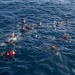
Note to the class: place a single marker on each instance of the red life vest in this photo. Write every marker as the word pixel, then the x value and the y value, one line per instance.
pixel 10 53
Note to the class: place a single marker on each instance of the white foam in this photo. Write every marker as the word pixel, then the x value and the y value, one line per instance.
pixel 3 44
pixel 13 39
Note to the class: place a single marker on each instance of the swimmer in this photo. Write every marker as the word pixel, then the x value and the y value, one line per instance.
pixel 56 25
pixel 8 54
pixel 24 21
pixel 53 47
pixel 12 35
pixel 65 37
pixel 22 29
pixel 66 21
pixel 40 24
pixel 28 27
pixel 9 42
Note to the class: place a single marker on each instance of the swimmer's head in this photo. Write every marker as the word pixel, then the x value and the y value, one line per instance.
pixel 66 21
pixel 53 46
pixel 13 52
pixel 40 23
pixel 12 34
pixel 24 21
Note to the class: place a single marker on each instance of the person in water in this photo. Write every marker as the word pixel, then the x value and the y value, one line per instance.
pixel 40 24
pixel 24 21
pixel 53 47
pixel 65 37
pixel 8 54
pixel 56 25
pixel 28 27
pixel 9 43
pixel 12 35
pixel 66 21
pixel 22 29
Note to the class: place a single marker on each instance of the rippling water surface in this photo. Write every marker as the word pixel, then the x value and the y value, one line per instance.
pixel 34 56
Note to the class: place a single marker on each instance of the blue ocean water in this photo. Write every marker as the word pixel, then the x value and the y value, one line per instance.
pixel 34 56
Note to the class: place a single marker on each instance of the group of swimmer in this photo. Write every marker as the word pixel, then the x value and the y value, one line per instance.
pixel 26 27
pixel 65 36
pixel 53 46
pixel 9 53
pixel 63 22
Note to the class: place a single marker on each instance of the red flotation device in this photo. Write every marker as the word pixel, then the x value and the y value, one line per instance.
pixel 10 53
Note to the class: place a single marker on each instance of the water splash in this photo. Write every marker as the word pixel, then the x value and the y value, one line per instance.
pixel 3 44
